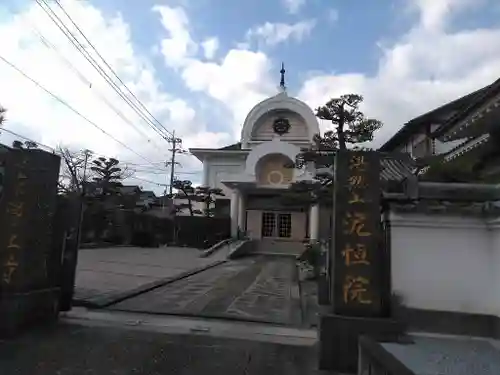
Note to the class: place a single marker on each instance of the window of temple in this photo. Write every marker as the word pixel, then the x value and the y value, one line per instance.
pixel 264 128
pixel 272 170
pixel 276 224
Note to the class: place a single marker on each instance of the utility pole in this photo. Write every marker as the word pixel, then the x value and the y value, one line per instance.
pixel 175 143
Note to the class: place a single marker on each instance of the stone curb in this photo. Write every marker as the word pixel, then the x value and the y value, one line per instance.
pixel 284 255
pixel 235 252
pixel 101 302
pixel 101 246
pixel 290 324
pixel 218 246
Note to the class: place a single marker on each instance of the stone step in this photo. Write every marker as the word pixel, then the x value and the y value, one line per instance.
pixel 280 247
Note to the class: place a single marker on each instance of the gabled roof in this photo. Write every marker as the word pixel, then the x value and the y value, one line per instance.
pixel 130 189
pixel 486 94
pixel 148 193
pixel 235 146
pixel 440 115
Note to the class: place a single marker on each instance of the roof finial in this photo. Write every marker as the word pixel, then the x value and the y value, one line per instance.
pixel 282 82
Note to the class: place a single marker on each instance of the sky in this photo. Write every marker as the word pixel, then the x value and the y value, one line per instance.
pixel 199 66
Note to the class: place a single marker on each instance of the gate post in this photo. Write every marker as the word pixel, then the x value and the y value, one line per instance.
pixel 28 267
pixel 360 302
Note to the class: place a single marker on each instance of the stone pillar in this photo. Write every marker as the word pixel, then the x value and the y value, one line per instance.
pixel 314 222
pixel 205 181
pixel 234 212
pixel 242 212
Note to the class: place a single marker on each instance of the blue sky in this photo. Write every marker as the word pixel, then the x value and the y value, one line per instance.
pixel 341 44
pixel 200 65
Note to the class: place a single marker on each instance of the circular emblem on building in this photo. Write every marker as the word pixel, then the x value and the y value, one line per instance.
pixel 281 126
pixel 275 178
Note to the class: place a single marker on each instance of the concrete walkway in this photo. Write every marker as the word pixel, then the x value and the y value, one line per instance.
pixel 107 273
pixel 257 288
pixel 81 350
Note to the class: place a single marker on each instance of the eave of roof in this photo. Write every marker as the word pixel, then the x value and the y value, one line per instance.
pixel 486 94
pixel 200 153
pixel 434 116
pixel 235 146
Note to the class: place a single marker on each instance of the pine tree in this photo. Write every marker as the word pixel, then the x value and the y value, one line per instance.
pixel 349 126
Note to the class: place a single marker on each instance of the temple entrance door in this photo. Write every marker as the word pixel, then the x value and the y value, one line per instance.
pixel 276 225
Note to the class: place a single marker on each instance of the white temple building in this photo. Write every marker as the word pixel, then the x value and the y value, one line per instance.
pixel 253 176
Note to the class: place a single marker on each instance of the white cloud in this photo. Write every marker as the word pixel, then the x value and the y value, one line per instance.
pixel 178 45
pixel 33 113
pixel 414 75
pixel 425 68
pixel 275 33
pixel 435 14
pixel 333 15
pixel 239 81
pixel 293 6
pixel 210 47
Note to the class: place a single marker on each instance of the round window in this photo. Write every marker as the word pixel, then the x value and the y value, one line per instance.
pixel 275 178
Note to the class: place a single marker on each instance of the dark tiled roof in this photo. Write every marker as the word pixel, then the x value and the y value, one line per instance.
pixel 485 94
pixel 129 189
pixel 482 209
pixel 233 147
pixel 396 169
pixel 439 115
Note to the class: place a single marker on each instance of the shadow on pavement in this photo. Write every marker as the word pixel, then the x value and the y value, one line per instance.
pixel 77 350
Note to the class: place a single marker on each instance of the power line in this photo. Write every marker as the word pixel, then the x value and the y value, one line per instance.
pixel 153 165
pixel 154 170
pixel 82 78
pixel 27 139
pixel 80 48
pixel 109 67
pixel 87 154
pixel 192 172
pixel 76 43
pixel 158 171
pixel 145 180
pixel 60 100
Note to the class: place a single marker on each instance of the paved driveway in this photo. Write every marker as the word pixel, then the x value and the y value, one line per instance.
pixel 107 272
pixel 259 289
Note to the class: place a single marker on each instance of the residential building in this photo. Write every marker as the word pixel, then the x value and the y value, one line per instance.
pixel 476 133
pixel 416 136
pixel 253 176
pixel 182 205
pixel 146 199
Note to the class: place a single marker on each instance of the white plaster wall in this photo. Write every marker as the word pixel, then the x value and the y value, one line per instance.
pixel 300 144
pixel 254 224
pixel 281 102
pixel 445 263
pixel 444 147
pixel 299 221
pixel 263 128
pixel 495 265
pixel 220 168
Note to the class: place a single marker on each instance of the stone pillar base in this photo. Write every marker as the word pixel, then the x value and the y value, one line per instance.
pixel 323 291
pixel 19 311
pixel 338 336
